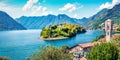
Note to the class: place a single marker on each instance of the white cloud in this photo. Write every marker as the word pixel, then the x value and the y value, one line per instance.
pixel 75 16
pixel 16 12
pixel 29 4
pixel 36 9
pixel 68 7
pixel 39 8
pixel 11 10
pixel 44 9
pixel 109 5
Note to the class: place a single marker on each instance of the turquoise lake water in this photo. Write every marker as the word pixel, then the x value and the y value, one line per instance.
pixel 17 45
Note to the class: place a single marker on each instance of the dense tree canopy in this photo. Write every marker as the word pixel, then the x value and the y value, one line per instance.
pixel 51 53
pixel 61 30
pixel 116 40
pixel 104 51
pixel 4 58
pixel 118 29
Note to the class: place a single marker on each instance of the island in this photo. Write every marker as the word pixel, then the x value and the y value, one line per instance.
pixel 61 31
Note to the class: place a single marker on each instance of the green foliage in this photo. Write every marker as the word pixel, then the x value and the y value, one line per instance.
pixel 51 53
pixel 101 36
pixel 104 51
pixel 116 40
pixel 119 56
pixel 118 29
pixel 61 30
pixel 45 32
pixel 94 40
pixel 4 58
pixel 97 38
pixel 65 49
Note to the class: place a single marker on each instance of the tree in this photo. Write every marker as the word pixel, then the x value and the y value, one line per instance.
pixel 118 29
pixel 61 30
pixel 116 40
pixel 51 53
pixel 45 33
pixel 64 49
pixel 104 51
pixel 4 58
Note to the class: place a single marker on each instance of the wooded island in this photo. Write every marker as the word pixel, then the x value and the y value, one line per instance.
pixel 61 31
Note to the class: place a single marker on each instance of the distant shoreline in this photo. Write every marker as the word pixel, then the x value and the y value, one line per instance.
pixel 117 31
pixel 59 38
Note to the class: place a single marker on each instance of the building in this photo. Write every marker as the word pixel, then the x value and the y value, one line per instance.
pixel 81 49
pixel 108 29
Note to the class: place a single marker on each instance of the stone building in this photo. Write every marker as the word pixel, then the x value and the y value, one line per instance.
pixel 108 29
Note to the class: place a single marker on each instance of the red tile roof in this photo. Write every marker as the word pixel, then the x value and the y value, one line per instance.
pixel 85 45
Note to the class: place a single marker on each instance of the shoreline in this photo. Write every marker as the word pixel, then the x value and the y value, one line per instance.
pixel 53 38
pixel 117 31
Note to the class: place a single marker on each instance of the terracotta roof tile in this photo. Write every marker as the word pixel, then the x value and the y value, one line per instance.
pixel 85 45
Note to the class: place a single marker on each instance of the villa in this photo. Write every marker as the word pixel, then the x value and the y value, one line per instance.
pixel 81 49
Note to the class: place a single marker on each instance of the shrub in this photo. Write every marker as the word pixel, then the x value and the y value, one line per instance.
pixel 116 40
pixel 4 58
pixel 118 29
pixel 104 51
pixel 51 53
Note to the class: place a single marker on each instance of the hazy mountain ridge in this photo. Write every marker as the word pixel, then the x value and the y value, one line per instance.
pixel 96 20
pixel 8 23
pixel 41 21
pixel 38 22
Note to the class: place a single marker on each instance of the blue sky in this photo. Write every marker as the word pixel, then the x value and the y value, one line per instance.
pixel 72 8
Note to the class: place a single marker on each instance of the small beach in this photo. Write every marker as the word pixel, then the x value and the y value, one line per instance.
pixel 60 38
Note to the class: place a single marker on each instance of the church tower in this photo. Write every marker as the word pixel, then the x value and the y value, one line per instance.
pixel 108 29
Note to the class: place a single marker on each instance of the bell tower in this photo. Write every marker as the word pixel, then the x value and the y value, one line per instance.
pixel 108 29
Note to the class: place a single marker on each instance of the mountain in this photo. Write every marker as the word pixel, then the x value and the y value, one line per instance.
pixel 98 19
pixel 8 23
pixel 39 22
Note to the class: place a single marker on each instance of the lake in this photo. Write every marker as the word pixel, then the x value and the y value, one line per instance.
pixel 17 45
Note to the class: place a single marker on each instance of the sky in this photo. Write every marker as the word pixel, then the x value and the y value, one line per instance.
pixel 72 8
